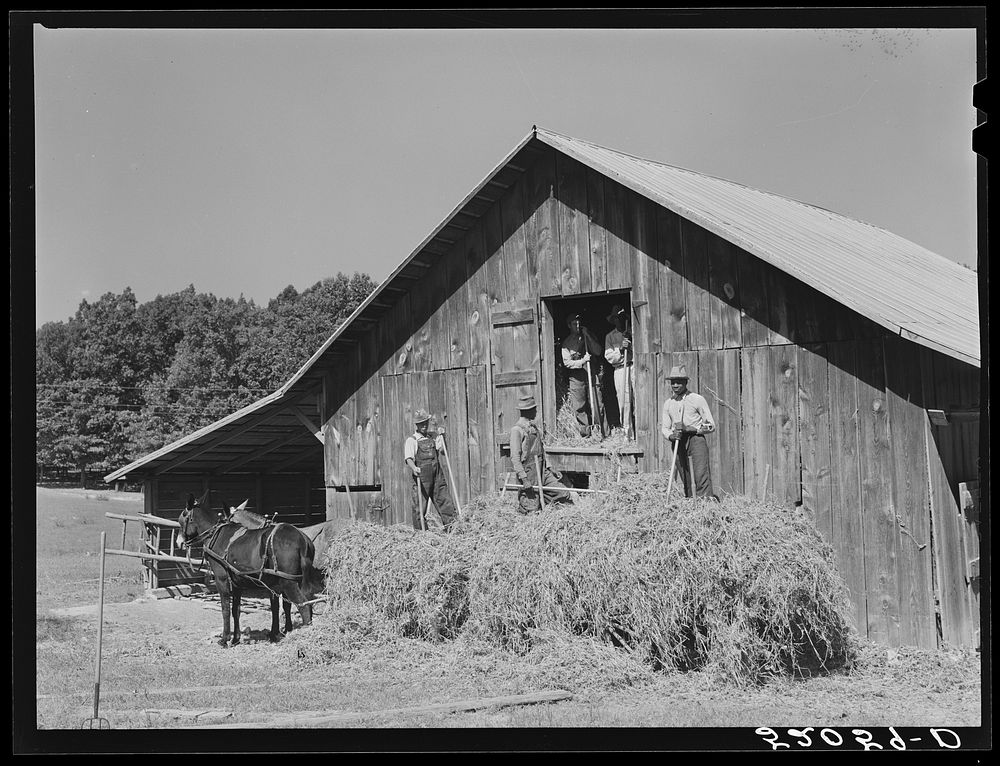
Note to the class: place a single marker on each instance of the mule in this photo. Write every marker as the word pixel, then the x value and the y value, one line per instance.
pixel 276 560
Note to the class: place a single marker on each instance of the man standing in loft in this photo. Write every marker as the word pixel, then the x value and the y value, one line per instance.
pixel 618 352
pixel 685 420
pixel 581 351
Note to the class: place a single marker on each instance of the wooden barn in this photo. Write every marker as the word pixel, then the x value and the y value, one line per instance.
pixel 842 364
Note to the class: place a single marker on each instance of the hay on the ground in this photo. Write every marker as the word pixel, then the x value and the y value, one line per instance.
pixel 743 587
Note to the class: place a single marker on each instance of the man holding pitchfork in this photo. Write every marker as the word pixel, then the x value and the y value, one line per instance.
pixel 421 454
pixel 527 455
pixel 685 420
pixel 578 349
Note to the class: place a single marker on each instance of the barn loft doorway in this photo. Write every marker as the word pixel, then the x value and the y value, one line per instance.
pixel 594 310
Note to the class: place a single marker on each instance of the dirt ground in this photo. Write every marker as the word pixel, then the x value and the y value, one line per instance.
pixel 163 669
pixel 903 687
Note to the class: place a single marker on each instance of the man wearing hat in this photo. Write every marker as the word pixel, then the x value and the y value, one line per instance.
pixel 685 420
pixel 525 446
pixel 578 348
pixel 421 455
pixel 618 352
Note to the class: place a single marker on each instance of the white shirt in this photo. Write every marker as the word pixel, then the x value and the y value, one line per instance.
pixel 690 411
pixel 573 363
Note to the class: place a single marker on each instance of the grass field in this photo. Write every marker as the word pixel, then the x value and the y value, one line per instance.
pixel 163 669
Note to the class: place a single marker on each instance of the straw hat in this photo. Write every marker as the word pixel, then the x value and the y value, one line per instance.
pixel 421 416
pixel 677 373
pixel 526 403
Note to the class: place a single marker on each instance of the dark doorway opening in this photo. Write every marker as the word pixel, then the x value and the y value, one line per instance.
pixel 594 310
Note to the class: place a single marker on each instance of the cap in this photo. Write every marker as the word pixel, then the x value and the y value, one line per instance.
pixel 616 312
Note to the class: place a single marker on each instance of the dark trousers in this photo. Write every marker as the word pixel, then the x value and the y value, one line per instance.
pixel 433 485
pixel 693 463
pixel 578 399
pixel 527 498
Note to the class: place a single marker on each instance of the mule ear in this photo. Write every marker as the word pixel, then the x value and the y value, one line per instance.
pixel 242 505
pixel 190 501
pixel 203 501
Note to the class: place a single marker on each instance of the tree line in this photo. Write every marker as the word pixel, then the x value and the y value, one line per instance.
pixel 121 379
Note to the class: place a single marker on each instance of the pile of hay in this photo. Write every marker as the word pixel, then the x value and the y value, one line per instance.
pixel 742 587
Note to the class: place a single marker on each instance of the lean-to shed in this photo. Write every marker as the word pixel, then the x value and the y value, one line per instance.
pixel 842 362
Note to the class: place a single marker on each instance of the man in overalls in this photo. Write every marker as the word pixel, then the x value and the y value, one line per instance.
pixel 581 354
pixel 525 447
pixel 421 454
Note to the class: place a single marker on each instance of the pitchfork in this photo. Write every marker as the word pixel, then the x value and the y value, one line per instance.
pixel 97 722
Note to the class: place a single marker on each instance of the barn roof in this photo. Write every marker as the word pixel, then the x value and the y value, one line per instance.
pixel 901 286
pixel 896 283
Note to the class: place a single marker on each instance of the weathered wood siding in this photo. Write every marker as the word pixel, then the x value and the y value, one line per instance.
pixel 816 406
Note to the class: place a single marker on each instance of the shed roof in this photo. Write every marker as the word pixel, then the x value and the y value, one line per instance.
pixel 896 283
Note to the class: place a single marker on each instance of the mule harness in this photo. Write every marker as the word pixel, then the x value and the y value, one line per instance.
pixel 254 575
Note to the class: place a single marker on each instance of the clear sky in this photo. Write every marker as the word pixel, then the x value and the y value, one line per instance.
pixel 243 161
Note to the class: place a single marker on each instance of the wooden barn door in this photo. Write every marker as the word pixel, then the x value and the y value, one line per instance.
pixel 456 400
pixel 514 344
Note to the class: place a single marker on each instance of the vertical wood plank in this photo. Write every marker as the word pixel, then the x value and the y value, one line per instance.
pixel 754 315
pixel 732 427
pixel 349 433
pixel 814 438
pixel 780 306
pixel 695 243
pixel 661 367
pixel 846 488
pixel 456 424
pixel 481 442
pixel 548 359
pixel 436 400
pixel 361 420
pixel 673 306
pixel 806 313
pixel 375 424
pixel 389 408
pixel 616 236
pixel 719 373
pixel 786 476
pixel 904 399
pixel 496 281
pixel 456 328
pixel 880 527
pixel 644 384
pixel 956 619
pixel 597 232
pixel 645 314
pixel 545 227
pixel 724 290
pixel 477 296
pixel 514 249
pixel 439 342
pixel 574 244
pixel 756 408
pixel 399 337
pixel 708 381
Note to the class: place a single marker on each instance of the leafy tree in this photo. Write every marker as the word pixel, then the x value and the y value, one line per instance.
pixel 119 379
